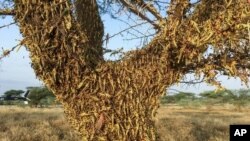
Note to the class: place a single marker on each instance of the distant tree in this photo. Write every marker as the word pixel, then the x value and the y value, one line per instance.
pixel 236 97
pixel 178 97
pixel 184 95
pixel 244 93
pixel 241 98
pixel 13 93
pixel 217 94
pixel 38 95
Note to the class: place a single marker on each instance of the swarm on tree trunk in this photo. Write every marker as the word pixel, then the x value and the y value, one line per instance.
pixel 118 100
pixel 102 100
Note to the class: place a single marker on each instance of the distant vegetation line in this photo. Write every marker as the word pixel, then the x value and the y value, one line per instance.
pixel 238 98
pixel 34 97
pixel 42 97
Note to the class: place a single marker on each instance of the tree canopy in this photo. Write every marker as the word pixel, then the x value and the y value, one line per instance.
pixel 13 93
pixel 37 94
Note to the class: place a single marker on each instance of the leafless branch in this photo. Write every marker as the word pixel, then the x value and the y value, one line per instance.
pixel 7 52
pixel 178 91
pixel 130 27
pixel 150 7
pixel 136 23
pixel 193 81
pixel 7 25
pixel 133 9
pixel 139 37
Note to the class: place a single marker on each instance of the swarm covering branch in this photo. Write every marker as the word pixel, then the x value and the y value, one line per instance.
pixel 118 100
pixel 7 12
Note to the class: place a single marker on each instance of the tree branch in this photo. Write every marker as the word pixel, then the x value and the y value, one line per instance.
pixel 193 81
pixel 177 91
pixel 133 9
pixel 150 8
pixel 7 12
pixel 7 52
pixel 3 26
pixel 130 27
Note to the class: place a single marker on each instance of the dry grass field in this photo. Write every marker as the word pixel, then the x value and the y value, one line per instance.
pixel 174 123
pixel 177 123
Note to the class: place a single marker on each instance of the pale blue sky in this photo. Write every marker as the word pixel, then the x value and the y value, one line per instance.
pixel 16 72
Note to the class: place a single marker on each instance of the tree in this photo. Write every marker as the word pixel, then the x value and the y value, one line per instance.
pixel 12 96
pixel 177 97
pixel 13 93
pixel 118 100
pixel 240 99
pixel 216 94
pixel 38 94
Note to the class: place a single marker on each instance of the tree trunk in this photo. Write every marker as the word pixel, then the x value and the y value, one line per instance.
pixel 102 100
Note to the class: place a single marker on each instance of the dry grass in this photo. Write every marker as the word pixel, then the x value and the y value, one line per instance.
pixel 34 124
pixel 177 123
pixel 174 123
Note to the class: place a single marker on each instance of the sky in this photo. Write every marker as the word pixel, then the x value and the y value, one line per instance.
pixel 16 71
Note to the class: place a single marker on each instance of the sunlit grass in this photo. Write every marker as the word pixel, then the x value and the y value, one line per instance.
pixel 34 124
pixel 174 123
pixel 177 123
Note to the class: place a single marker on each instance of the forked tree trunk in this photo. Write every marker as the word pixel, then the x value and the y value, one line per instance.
pixel 118 100
pixel 102 100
